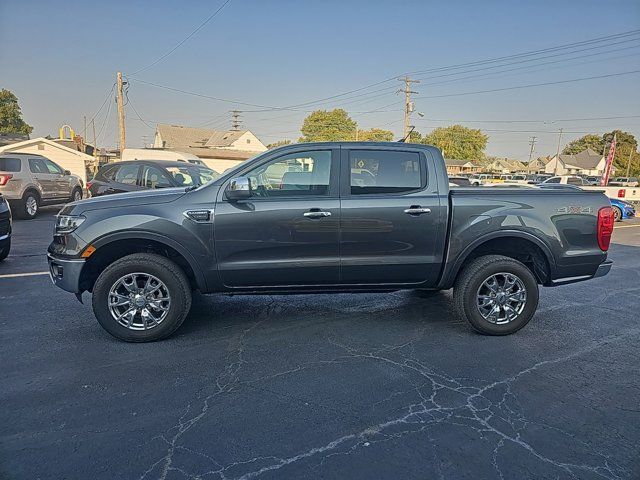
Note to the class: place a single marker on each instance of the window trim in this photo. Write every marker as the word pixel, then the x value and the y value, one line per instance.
pixel 164 172
pixel 346 172
pixel 34 159
pixel 334 176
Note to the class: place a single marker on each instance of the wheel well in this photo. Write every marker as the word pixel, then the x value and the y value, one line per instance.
pixel 32 190
pixel 112 251
pixel 520 249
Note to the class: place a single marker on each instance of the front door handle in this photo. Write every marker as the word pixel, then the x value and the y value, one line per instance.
pixel 417 210
pixel 317 214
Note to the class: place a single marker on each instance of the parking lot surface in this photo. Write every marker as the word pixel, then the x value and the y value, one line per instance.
pixel 332 386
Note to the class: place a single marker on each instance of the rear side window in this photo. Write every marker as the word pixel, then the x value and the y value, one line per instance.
pixel 127 174
pixel 574 181
pixel 384 172
pixel 153 177
pixel 108 173
pixel 9 164
pixel 37 165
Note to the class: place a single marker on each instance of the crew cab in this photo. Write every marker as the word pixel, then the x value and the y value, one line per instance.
pixel 322 218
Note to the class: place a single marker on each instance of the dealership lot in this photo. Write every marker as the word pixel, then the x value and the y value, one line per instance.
pixel 331 386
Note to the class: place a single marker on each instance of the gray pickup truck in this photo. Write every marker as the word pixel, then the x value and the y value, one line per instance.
pixel 328 217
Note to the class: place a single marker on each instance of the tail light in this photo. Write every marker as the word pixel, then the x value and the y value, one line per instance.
pixel 89 183
pixel 621 193
pixel 605 227
pixel 4 178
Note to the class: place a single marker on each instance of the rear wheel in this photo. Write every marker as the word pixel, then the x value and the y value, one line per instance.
pixel 76 194
pixel 30 205
pixel 5 248
pixel 497 295
pixel 141 298
pixel 617 214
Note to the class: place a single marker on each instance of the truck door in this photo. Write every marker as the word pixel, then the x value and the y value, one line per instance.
pixel 287 232
pixel 391 217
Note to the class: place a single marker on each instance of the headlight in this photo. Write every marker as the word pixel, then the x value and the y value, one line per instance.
pixel 68 223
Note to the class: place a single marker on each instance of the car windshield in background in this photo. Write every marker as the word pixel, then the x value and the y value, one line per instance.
pixel 190 175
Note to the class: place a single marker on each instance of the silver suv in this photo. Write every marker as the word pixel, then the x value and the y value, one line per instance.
pixel 28 181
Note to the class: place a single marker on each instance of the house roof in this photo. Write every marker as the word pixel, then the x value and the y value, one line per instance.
pixel 9 138
pixel 35 141
pixel 457 163
pixel 586 159
pixel 179 136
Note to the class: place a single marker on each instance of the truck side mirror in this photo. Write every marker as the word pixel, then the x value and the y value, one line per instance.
pixel 239 189
pixel 67 172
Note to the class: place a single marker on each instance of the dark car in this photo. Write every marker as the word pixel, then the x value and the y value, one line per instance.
pixel 5 228
pixel 134 175
pixel 329 217
pixel 459 181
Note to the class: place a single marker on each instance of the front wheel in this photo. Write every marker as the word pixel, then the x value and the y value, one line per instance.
pixel 497 295
pixel 76 195
pixel 29 206
pixel 142 297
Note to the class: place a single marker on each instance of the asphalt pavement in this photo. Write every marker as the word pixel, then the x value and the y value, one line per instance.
pixel 384 386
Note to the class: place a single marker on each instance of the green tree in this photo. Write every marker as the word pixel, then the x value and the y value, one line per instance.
pixel 594 142
pixel 10 115
pixel 458 142
pixel 328 126
pixel 277 144
pixel 626 144
pixel 375 135
pixel 414 137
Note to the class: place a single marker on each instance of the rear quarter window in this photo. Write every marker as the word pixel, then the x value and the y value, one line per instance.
pixel 10 164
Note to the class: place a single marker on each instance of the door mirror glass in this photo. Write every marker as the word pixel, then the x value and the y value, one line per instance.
pixel 67 172
pixel 239 189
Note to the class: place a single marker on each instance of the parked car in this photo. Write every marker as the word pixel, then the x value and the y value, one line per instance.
pixel 621 209
pixel 516 179
pixel 459 181
pixel 5 228
pixel 624 182
pixel 479 179
pixel 320 229
pixel 134 175
pixel 592 180
pixel 29 181
pixel 567 180
pixel 535 178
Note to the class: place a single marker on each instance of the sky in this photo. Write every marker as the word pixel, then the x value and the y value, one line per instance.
pixel 61 59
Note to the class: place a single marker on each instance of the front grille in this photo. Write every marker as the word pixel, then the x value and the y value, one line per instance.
pixel 4 227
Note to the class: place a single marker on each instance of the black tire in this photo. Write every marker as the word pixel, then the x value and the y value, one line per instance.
pixel 24 211
pixel 76 192
pixel 147 263
pixel 617 214
pixel 469 281
pixel 5 248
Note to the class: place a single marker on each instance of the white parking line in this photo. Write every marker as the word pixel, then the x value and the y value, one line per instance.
pixel 28 274
pixel 627 226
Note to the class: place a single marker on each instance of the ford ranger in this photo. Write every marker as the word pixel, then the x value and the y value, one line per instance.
pixel 328 217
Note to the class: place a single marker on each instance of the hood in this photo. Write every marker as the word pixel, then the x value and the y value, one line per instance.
pixel 118 200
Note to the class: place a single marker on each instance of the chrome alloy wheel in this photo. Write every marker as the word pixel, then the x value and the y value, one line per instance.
pixel 501 298
pixel 139 301
pixel 31 205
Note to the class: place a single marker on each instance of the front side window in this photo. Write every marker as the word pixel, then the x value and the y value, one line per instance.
pixel 384 172
pixel 127 174
pixel 153 177
pixel 52 167
pixel 296 174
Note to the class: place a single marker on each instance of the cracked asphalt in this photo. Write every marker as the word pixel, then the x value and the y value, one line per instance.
pixel 364 386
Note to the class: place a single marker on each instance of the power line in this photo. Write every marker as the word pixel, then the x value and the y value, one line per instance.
pixel 101 107
pixel 183 41
pixel 535 85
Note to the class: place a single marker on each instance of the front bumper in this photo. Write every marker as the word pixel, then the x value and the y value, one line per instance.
pixel 65 273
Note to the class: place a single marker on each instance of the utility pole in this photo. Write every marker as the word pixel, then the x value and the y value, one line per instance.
pixel 95 147
pixel 123 135
pixel 408 104
pixel 84 132
pixel 555 169
pixel 532 143
pixel 235 120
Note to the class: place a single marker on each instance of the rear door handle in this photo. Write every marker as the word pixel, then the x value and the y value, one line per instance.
pixel 317 214
pixel 417 210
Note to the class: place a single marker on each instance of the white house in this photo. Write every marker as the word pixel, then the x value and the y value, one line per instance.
pixel 68 158
pixel 220 150
pixel 586 162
